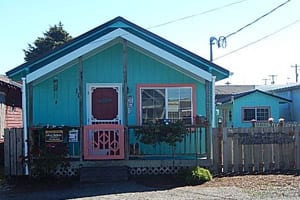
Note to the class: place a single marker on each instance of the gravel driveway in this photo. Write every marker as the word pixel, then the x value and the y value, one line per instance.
pixel 125 190
pixel 244 187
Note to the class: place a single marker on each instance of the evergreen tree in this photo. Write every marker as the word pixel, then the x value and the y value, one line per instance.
pixel 54 37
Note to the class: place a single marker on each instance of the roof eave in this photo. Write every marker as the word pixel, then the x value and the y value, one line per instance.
pixel 196 71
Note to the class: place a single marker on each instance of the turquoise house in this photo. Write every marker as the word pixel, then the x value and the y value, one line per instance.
pixel 239 109
pixel 92 92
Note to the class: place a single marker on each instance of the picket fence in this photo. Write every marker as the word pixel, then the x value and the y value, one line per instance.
pixel 257 149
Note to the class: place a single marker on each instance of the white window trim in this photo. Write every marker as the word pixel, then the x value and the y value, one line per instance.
pixel 255 108
pixel 90 86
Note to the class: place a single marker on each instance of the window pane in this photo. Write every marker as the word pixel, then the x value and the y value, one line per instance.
pixel 173 104
pixel 153 105
pixel 180 104
pixel 249 114
pixel 262 114
pixel 186 105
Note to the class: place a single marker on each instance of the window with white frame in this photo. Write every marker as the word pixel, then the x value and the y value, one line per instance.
pixel 174 103
pixel 257 113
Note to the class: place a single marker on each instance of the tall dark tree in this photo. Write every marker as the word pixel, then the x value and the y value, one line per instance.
pixel 54 37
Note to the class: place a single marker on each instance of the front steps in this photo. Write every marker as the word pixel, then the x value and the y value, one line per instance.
pixel 104 174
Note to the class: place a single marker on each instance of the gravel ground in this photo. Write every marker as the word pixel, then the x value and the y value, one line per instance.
pixel 238 187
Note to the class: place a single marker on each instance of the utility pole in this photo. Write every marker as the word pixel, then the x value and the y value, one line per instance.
pixel 296 71
pixel 272 78
pixel 212 41
pixel 220 42
pixel 265 80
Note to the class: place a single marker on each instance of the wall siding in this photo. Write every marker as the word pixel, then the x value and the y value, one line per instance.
pixel 13 117
pixel 57 107
pixel 106 66
pixel 289 112
pixel 143 69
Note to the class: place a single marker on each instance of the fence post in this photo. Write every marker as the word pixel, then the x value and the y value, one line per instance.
pixel 267 151
pixel 13 152
pixel 215 149
pixel 258 151
pixel 227 151
pixel 248 153
pixel 6 153
pixel 237 153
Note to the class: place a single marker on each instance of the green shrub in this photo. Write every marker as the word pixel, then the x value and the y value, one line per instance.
pixel 196 175
pixel 47 158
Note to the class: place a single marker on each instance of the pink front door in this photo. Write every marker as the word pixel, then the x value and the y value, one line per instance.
pixel 104 134
pixel 104 105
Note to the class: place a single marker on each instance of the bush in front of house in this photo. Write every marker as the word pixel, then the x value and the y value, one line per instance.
pixel 47 158
pixel 196 175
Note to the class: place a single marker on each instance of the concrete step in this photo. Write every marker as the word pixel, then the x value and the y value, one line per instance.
pixel 104 174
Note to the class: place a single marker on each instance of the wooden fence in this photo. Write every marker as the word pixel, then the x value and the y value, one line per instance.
pixel 13 152
pixel 256 149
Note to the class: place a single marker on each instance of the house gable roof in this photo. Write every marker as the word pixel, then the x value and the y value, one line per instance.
pixel 116 28
pixel 233 89
pixel 229 97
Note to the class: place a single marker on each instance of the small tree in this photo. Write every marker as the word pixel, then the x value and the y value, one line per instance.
pixel 54 37
pixel 161 132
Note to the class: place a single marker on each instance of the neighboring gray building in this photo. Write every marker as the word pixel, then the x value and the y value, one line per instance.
pixel 290 111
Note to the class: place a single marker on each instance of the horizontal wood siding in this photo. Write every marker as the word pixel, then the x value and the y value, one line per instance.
pixel 55 100
pixel 13 117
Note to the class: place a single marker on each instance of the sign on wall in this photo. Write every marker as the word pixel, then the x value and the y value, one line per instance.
pixel 54 135
pixel 73 135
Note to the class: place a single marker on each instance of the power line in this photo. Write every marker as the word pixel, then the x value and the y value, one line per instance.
pixel 259 18
pixel 260 39
pixel 186 17
pixel 222 40
pixel 197 14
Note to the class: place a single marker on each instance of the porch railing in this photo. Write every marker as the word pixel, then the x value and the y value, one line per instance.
pixel 193 146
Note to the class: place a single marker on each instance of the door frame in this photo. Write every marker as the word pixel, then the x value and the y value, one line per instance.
pixel 90 86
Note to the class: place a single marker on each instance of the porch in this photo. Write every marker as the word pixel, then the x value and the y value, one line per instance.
pixel 107 145
pixel 141 158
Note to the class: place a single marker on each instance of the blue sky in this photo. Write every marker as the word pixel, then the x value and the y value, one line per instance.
pixel 23 21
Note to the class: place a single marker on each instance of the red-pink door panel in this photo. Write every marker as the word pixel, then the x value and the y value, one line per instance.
pixel 104 103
